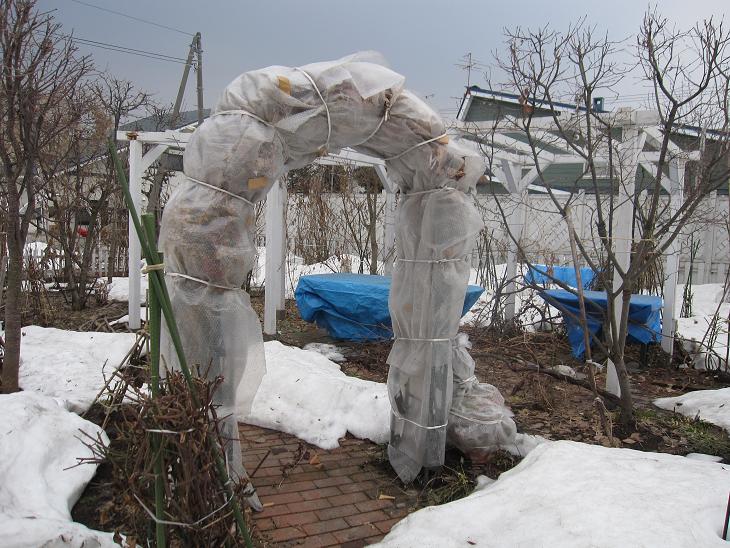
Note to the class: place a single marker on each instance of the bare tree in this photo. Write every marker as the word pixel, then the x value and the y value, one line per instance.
pixel 78 197
pixel 684 131
pixel 41 72
pixel 119 98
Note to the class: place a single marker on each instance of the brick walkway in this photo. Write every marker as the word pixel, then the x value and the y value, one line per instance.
pixel 314 497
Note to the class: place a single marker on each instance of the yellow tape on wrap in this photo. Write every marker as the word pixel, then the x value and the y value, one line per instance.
pixel 284 84
pixel 257 183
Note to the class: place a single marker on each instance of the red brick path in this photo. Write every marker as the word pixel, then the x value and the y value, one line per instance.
pixel 314 497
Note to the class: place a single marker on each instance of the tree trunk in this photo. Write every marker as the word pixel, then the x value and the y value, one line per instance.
pixel 627 400
pixel 11 361
pixel 372 228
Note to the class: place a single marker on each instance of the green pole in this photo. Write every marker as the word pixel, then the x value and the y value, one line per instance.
pixel 158 284
pixel 154 327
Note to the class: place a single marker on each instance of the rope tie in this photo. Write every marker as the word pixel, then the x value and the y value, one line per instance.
pixel 431 191
pixel 432 261
pixel 323 151
pixel 386 116
pixel 414 423
pixel 231 194
pixel 245 113
pixel 406 151
pixel 152 267
pixel 495 421
pixel 472 378
pixel 204 282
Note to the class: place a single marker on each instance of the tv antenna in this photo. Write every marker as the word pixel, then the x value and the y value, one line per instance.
pixel 467 65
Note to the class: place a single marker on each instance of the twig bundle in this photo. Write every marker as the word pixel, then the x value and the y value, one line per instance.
pixel 197 511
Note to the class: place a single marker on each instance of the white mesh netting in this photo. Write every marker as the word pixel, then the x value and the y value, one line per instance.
pixel 279 118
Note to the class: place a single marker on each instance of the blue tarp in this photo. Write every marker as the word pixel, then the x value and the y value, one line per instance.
pixel 537 274
pixel 645 323
pixel 353 307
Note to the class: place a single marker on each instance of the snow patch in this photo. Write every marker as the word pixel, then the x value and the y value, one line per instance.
pixel 572 495
pixel 709 405
pixel 305 394
pixel 40 443
pixel 329 351
pixel 70 365
pixel 125 318
pixel 119 289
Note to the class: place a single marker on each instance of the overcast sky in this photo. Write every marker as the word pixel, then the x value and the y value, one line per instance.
pixel 422 39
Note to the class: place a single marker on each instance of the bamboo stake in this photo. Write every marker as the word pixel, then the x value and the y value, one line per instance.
pixel 154 321
pixel 158 284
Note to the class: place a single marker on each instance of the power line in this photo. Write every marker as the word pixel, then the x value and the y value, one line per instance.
pixel 139 19
pixel 131 51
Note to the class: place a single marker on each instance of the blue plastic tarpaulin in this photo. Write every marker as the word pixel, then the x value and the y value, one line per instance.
pixel 645 323
pixel 353 307
pixel 538 274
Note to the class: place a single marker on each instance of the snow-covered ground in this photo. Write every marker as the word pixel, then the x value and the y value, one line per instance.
pixel 305 394
pixel 119 289
pixel 70 366
pixel 125 318
pixel 572 494
pixel 40 443
pixel 709 405
pixel 706 301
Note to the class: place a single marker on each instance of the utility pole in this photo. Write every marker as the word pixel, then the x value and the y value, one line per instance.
pixel 184 82
pixel 196 49
pixel 199 72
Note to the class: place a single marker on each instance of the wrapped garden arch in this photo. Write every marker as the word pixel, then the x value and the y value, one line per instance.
pixel 279 118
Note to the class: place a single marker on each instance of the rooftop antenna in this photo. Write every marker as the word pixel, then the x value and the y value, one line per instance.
pixel 467 65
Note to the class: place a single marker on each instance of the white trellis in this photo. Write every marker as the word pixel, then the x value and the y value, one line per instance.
pixel 275 268
pixel 511 158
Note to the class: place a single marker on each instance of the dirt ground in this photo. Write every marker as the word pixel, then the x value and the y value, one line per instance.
pixel 554 407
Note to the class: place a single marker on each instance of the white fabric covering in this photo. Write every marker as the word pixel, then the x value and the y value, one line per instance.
pixel 279 118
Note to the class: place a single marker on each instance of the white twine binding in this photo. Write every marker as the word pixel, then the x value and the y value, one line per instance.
pixel 431 191
pixel 406 151
pixel 432 261
pixel 414 423
pixel 245 113
pixel 495 421
pixel 204 282
pixel 472 378
pixel 179 523
pixel 326 108
pixel 383 119
pixel 231 194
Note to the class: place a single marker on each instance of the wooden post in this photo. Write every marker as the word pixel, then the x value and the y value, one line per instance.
pixel 708 244
pixel 515 223
pixel 135 249
pixel 283 199
pixel 275 259
pixel 669 312
pixel 388 249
